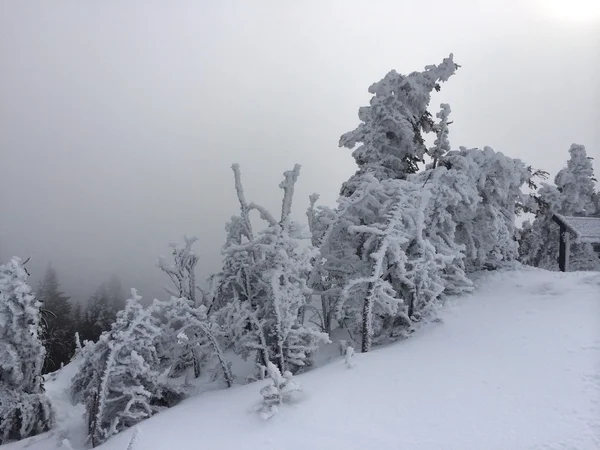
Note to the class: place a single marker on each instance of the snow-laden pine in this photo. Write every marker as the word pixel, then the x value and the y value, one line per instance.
pixel 486 219
pixel 119 376
pixel 188 333
pixel 24 409
pixel 281 389
pixel 390 140
pixel 265 276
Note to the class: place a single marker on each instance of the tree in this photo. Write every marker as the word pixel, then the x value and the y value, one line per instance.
pixel 24 409
pixel 266 275
pixel 485 219
pixel 281 389
pixel 185 356
pixel 441 145
pixel 118 378
pixel 393 127
pixel 58 324
pixel 404 270
pixel 102 309
pixel 573 194
pixel 189 334
pixel 365 252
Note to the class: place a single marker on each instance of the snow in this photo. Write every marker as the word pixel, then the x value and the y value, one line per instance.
pixel 514 365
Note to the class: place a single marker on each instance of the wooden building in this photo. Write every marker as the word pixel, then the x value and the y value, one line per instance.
pixel 581 229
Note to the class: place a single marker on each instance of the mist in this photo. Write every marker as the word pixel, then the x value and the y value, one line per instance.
pixel 119 121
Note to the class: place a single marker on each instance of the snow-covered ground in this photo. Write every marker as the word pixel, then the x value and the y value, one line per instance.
pixel 515 365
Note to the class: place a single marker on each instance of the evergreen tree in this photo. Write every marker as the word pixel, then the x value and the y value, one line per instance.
pixel 393 127
pixel 485 219
pixel 266 275
pixel 184 356
pixel 189 335
pixel 102 309
pixel 58 322
pixel 118 378
pixel 363 269
pixel 24 409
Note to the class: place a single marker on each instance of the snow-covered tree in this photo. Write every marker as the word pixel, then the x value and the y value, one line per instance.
pixel 118 378
pixel 266 276
pixel 281 389
pixel 403 278
pixel 188 331
pixel 391 133
pixel 24 408
pixel 485 222
pixel 182 270
pixel 441 145
pixel 184 356
pixel 573 194
pixel 321 220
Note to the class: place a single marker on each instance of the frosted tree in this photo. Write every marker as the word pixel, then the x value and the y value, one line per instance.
pixel 188 329
pixel 391 133
pixel 573 194
pixel 281 389
pixel 404 271
pixel 182 270
pixel 266 276
pixel 321 220
pixel 577 184
pixel 118 378
pixel 24 408
pixel 450 190
pixel 389 145
pixel 182 273
pixel 441 145
pixel 485 223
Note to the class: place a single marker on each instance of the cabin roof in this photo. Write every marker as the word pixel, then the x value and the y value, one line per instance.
pixel 585 229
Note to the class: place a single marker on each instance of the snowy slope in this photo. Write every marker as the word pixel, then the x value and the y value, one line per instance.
pixel 515 365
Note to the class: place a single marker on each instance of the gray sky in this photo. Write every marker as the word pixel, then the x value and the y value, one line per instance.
pixel 119 120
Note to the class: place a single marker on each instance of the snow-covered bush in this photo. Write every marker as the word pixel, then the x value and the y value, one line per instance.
pixel 265 275
pixel 118 378
pixel 24 408
pixel 281 389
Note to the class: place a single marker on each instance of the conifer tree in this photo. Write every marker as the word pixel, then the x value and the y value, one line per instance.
pixel 118 378
pixel 24 408
pixel 58 324
pixel 266 276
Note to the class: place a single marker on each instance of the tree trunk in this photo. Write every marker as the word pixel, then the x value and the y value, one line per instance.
pixel 367 324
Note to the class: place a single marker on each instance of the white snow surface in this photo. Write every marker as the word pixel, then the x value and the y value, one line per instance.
pixel 514 365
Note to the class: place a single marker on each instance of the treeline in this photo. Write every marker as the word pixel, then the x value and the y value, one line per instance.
pixel 65 324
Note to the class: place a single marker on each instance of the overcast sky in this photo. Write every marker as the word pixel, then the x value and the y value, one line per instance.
pixel 119 120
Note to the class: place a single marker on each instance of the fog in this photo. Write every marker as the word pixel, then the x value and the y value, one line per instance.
pixel 119 120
